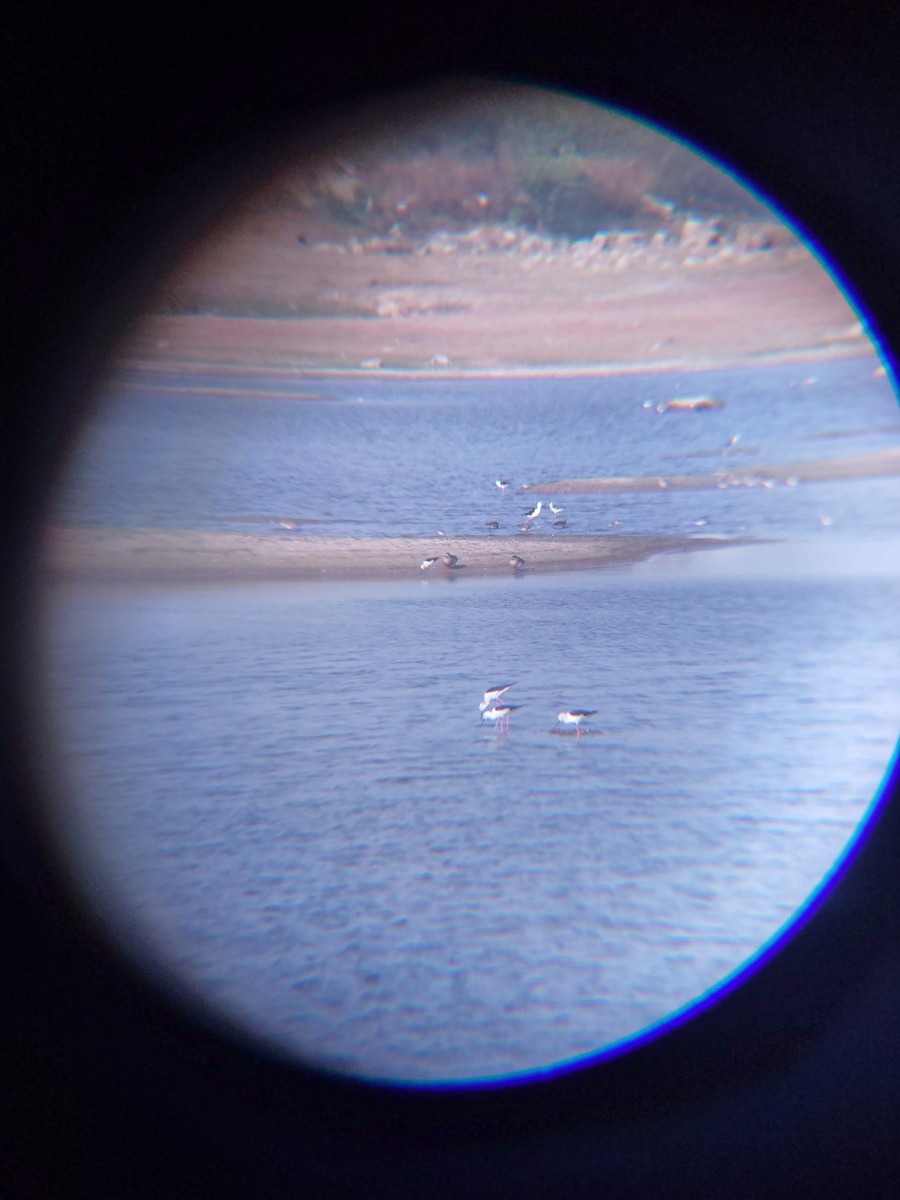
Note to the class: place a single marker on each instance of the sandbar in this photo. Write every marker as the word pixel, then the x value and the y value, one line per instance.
pixel 176 556
pixel 877 464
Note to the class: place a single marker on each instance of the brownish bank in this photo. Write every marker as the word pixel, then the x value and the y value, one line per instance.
pixel 173 556
pixel 507 312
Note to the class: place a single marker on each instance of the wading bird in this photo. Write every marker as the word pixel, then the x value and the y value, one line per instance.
pixel 574 716
pixel 493 694
pixel 500 714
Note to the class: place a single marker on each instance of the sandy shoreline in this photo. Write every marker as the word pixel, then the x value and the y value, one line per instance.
pixel 175 556
pixel 574 370
pixel 455 315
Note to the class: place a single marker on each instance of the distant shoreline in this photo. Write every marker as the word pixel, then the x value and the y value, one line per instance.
pixel 184 556
pixel 461 316
pixel 834 352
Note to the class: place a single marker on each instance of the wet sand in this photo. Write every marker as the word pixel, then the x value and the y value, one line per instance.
pixel 182 556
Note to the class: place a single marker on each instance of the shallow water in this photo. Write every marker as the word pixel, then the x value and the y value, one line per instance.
pixel 281 795
pixel 285 795
pixel 392 456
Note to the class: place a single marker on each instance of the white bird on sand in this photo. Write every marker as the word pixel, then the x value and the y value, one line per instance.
pixel 493 694
pixel 500 715
pixel 574 716
pixel 426 563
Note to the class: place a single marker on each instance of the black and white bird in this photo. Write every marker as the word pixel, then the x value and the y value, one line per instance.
pixel 535 512
pixel 554 509
pixel 500 715
pixel 502 484
pixel 575 716
pixel 493 694
pixel 426 563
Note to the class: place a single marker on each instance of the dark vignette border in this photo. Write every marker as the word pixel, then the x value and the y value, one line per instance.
pixel 790 1084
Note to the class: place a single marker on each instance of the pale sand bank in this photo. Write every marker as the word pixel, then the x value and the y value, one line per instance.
pixel 505 311
pixel 880 463
pixel 155 555
pixel 578 369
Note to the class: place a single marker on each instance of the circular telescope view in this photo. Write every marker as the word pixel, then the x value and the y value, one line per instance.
pixel 469 631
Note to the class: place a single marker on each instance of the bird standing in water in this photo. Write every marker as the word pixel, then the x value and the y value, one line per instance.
pixel 575 716
pixel 500 714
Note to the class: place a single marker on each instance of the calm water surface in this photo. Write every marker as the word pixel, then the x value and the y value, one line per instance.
pixel 393 456
pixel 282 796
pixel 286 794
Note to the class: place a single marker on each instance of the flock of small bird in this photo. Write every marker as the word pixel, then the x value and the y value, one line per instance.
pixel 452 563
pixel 560 523
pixel 492 710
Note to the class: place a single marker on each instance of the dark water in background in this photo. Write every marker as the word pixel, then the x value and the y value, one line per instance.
pixel 387 456
pixel 282 792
